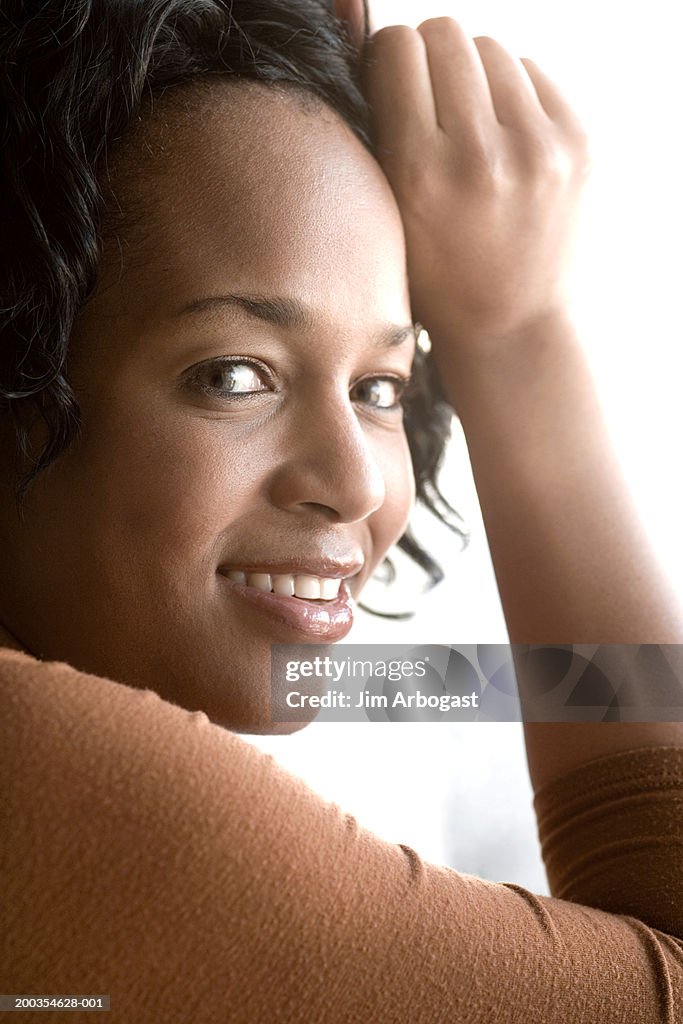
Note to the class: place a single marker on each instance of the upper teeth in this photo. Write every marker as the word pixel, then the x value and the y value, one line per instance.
pixel 312 588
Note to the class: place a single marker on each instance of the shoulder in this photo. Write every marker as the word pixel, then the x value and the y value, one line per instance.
pixel 52 701
pixel 109 740
pixel 26 680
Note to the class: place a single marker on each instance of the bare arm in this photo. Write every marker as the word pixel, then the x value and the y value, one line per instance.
pixel 488 165
pixel 572 561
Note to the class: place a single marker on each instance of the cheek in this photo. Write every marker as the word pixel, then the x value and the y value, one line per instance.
pixel 162 487
pixel 195 489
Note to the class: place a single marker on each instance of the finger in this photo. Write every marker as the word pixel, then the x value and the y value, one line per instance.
pixel 554 104
pixel 398 86
pixel 514 97
pixel 462 97
pixel 355 14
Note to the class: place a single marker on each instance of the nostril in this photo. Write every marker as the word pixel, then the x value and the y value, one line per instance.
pixel 336 477
pixel 316 506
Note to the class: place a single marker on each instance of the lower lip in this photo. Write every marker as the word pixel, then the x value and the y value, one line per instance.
pixel 326 622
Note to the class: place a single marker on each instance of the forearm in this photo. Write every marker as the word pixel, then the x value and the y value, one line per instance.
pixel 572 560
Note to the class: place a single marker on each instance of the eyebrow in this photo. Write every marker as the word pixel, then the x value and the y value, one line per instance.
pixel 285 312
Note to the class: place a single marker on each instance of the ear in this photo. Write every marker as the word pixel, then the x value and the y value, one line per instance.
pixel 355 14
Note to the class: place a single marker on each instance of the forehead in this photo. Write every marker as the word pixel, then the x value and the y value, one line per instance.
pixel 236 184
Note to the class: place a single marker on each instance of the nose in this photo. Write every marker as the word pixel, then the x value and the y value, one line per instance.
pixel 329 464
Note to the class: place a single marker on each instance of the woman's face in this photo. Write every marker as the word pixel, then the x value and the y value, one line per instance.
pixel 229 372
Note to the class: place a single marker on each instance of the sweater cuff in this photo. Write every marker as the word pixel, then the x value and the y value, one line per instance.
pixel 611 835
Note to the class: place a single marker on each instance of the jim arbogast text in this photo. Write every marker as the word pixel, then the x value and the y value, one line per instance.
pixel 365 699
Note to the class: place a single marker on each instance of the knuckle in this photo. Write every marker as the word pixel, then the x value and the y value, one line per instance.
pixel 544 160
pixel 438 26
pixel 394 35
pixel 557 168
pixel 587 164
pixel 435 24
pixel 489 48
pixel 584 168
pixel 487 156
pixel 496 182
pixel 488 170
pixel 583 150
pixel 547 162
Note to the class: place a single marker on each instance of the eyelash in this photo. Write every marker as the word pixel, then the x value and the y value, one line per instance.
pixel 402 384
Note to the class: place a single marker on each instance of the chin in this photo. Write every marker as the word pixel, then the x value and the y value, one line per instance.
pixel 255 718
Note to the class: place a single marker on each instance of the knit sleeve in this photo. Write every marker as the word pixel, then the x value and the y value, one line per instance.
pixel 611 834
pixel 153 856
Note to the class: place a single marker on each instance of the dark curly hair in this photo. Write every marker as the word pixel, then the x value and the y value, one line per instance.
pixel 74 76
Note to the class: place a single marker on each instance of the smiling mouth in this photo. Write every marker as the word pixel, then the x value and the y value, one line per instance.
pixel 325 620
pixel 300 585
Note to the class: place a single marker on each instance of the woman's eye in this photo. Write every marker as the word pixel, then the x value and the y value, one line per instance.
pixel 233 378
pixel 230 378
pixel 381 392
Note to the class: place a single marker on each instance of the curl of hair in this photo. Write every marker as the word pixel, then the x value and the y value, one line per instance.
pixel 74 74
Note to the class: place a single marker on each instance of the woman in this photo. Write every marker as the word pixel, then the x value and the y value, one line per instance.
pixel 209 332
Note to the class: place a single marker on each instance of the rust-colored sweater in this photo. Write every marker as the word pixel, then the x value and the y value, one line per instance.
pixel 152 856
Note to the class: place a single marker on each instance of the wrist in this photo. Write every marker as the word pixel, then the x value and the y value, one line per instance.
pixel 500 356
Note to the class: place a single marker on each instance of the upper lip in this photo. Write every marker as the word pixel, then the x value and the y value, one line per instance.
pixel 330 568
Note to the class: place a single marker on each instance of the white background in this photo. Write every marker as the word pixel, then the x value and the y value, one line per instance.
pixel 460 794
